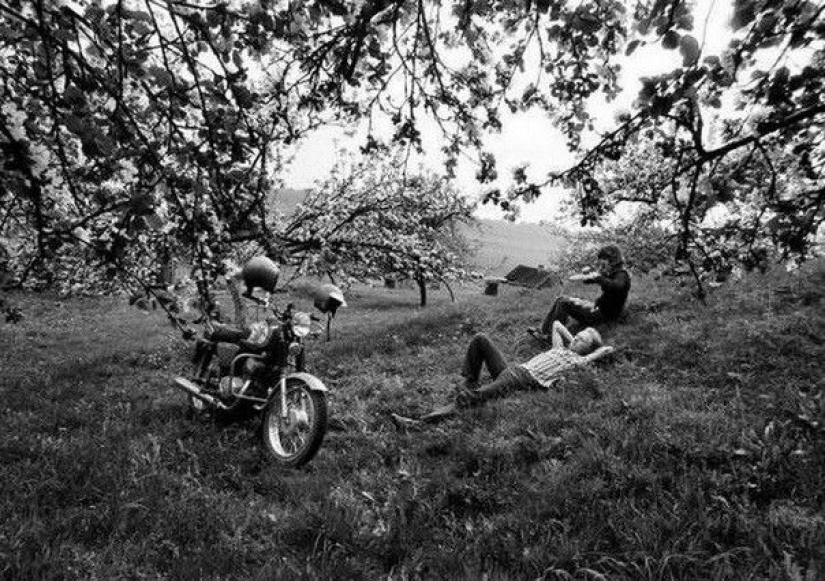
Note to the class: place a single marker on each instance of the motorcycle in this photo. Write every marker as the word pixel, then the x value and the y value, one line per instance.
pixel 261 368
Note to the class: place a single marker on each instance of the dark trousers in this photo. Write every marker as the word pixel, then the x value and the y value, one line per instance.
pixel 584 312
pixel 483 352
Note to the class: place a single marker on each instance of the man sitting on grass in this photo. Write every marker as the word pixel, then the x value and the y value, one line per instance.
pixel 614 281
pixel 540 372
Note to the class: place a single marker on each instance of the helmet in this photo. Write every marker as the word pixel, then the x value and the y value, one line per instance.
pixel 328 298
pixel 260 272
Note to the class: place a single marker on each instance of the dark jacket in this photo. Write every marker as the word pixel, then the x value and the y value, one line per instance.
pixel 615 287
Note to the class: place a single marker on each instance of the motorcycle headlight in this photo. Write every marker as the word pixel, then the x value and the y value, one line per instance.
pixel 301 324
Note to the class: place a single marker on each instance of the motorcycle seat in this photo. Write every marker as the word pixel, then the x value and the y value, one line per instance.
pixel 227 333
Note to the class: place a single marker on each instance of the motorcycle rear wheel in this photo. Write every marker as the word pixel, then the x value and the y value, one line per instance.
pixel 294 441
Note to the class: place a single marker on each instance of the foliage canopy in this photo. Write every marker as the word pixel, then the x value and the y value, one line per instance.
pixel 132 129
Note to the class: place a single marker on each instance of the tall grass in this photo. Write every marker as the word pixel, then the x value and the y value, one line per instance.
pixel 697 452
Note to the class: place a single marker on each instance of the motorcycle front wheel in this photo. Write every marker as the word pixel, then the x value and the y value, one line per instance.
pixel 294 437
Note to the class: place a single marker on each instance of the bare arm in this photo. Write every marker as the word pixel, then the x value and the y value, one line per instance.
pixel 561 336
pixel 599 354
pixel 615 282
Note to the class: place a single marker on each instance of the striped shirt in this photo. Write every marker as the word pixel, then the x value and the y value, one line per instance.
pixel 547 366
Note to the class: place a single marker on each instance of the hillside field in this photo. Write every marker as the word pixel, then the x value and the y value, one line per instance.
pixel 697 452
pixel 500 246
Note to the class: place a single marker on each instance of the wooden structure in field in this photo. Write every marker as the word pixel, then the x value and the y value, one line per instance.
pixel 531 277
pixel 525 276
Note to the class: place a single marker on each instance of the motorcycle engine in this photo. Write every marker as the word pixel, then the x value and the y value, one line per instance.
pixel 230 386
pixel 254 369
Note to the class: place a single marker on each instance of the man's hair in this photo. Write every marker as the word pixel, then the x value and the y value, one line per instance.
pixel 612 254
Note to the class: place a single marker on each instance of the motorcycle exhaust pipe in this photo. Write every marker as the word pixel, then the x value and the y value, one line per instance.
pixel 195 391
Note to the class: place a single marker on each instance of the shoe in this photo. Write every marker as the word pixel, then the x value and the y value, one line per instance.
pixel 467 398
pixel 403 422
pixel 467 384
pixel 532 331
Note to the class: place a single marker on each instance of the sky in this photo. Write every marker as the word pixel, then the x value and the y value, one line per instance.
pixel 526 138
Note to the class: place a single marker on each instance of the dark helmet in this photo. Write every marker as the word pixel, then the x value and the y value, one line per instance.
pixel 612 254
pixel 260 272
pixel 328 298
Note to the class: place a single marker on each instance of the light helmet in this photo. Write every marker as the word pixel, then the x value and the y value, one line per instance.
pixel 328 298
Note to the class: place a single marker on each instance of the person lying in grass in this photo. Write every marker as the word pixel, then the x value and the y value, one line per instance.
pixel 614 281
pixel 540 372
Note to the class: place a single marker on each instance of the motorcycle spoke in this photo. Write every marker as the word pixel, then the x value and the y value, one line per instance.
pixel 295 440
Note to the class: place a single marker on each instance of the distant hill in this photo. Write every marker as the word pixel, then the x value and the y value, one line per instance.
pixel 501 245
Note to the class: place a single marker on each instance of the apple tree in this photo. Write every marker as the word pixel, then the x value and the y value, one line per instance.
pixel 739 133
pixel 373 218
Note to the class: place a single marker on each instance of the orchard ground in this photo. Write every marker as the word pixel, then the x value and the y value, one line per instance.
pixel 698 451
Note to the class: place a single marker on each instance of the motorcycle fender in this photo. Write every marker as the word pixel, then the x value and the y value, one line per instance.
pixel 312 382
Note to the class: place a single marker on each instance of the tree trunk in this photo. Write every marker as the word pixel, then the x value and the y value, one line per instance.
pixel 450 290
pixel 422 288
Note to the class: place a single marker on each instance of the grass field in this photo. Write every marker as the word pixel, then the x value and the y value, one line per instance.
pixel 698 452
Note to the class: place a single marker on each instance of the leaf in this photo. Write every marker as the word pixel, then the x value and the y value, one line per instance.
pixel 693 76
pixel 140 16
pixel 141 203
pixel 648 90
pixel 153 221
pixel 778 90
pixel 686 22
pixel 670 40
pixel 689 47
pixel 661 104
pixel 632 46
pixel 106 145
pixel 744 13
pixel 161 75
pixel 77 125
pixel 588 23
pixel 520 174
pixel 767 22
pixel 64 35
pixel 487 172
